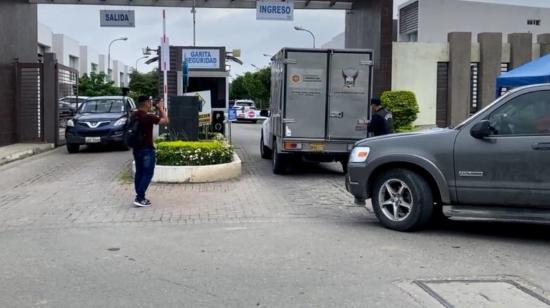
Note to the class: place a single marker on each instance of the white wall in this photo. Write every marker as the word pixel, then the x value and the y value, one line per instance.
pixel 439 17
pixel 414 68
pixel 87 57
pixel 103 63
pixel 45 36
pixel 65 47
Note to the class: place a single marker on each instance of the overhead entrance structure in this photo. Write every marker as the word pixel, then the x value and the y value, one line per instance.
pixel 369 24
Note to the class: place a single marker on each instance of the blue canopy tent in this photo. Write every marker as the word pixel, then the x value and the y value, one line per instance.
pixel 534 72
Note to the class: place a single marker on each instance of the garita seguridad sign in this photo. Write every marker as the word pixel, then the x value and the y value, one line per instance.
pixel 116 18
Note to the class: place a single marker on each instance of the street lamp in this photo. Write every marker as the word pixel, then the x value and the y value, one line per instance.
pixel 306 30
pixel 142 57
pixel 109 54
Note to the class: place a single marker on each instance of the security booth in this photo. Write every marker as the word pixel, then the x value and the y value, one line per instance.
pixel 199 69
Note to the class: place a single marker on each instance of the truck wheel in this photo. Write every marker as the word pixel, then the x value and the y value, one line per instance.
pixel 402 200
pixel 73 148
pixel 279 161
pixel 265 151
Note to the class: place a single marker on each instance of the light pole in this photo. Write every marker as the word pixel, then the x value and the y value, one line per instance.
pixel 306 30
pixel 109 55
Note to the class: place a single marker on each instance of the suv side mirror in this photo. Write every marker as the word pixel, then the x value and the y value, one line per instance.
pixel 481 130
pixel 264 113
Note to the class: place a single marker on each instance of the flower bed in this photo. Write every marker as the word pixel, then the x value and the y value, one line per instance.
pixel 189 153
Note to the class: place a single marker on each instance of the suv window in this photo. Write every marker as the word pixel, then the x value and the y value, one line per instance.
pixel 528 114
pixel 103 106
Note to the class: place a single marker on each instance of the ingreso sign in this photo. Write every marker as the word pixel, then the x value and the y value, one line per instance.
pixel 275 10
pixel 111 18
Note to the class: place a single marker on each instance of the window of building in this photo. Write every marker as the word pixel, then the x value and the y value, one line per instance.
pixel 73 62
pixel 533 22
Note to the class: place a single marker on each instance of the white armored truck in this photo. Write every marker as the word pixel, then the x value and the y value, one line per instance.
pixel 319 105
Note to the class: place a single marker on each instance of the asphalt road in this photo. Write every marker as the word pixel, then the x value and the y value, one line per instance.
pixel 69 238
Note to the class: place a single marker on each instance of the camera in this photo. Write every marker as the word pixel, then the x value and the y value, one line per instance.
pixel 156 102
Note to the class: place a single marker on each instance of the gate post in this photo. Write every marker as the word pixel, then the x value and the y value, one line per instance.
pixel 369 24
pixel 18 39
pixel 51 131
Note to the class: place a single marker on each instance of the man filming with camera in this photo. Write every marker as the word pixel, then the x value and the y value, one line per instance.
pixel 143 146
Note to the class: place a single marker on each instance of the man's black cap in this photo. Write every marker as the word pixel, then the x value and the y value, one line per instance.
pixel 376 101
pixel 142 98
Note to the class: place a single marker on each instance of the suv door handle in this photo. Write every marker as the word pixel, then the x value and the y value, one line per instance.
pixel 545 146
pixel 337 114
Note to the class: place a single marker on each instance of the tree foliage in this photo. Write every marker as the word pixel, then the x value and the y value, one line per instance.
pixel 97 85
pixel 253 85
pixel 144 84
pixel 403 106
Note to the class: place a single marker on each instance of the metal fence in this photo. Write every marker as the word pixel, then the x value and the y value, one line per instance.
pixel 29 102
pixel 40 116
pixel 67 85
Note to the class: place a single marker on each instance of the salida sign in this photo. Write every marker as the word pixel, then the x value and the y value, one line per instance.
pixel 110 18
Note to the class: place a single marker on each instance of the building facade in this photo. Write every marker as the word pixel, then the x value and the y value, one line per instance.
pixel 429 21
pixel 83 58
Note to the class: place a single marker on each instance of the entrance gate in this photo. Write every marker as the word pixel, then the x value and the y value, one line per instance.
pixel 40 116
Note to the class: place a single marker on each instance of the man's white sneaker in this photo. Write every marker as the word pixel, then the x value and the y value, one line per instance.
pixel 142 203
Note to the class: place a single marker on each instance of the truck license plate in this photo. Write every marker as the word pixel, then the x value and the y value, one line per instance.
pixel 93 139
pixel 317 147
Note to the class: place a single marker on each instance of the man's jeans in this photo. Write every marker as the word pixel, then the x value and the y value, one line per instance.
pixel 145 168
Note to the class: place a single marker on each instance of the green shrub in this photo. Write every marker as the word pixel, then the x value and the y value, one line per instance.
pixel 189 153
pixel 404 108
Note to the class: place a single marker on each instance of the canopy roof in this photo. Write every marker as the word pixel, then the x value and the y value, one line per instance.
pixel 535 72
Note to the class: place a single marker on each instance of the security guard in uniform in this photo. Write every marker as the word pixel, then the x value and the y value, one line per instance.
pixel 382 120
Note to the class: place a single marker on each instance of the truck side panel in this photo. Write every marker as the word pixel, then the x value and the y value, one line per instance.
pixel 305 105
pixel 349 95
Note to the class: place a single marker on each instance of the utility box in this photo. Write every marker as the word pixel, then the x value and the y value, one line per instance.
pixel 320 105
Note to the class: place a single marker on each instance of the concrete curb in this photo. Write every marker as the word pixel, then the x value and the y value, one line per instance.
pixel 19 155
pixel 197 174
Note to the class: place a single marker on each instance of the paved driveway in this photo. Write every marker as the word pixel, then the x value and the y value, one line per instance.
pixel 70 237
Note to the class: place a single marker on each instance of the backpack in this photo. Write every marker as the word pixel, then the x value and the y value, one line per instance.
pixel 134 133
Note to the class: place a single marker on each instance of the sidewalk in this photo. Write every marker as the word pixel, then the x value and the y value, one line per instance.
pixel 19 151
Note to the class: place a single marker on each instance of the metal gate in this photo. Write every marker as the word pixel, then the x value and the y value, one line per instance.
pixel 441 117
pixel 40 115
pixel 67 85
pixel 29 79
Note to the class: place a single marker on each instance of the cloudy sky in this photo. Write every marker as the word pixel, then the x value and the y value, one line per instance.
pixel 215 27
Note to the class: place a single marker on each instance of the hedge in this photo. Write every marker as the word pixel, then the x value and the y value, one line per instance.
pixel 404 108
pixel 193 153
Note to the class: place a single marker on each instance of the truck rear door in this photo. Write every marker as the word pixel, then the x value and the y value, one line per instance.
pixel 306 94
pixel 349 96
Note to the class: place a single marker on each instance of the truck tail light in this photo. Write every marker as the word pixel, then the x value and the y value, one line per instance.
pixel 292 146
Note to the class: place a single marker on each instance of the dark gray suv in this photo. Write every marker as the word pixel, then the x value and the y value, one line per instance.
pixel 495 165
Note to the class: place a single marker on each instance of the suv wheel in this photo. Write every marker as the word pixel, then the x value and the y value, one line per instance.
pixel 73 148
pixel 402 200
pixel 265 151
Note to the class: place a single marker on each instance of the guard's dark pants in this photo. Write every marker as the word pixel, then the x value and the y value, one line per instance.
pixel 145 168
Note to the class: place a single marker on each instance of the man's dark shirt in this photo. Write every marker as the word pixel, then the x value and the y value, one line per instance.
pixel 146 122
pixel 381 123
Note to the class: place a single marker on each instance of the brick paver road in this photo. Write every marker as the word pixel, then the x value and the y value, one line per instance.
pixel 59 190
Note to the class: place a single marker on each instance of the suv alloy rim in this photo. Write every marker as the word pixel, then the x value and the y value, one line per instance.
pixel 395 200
